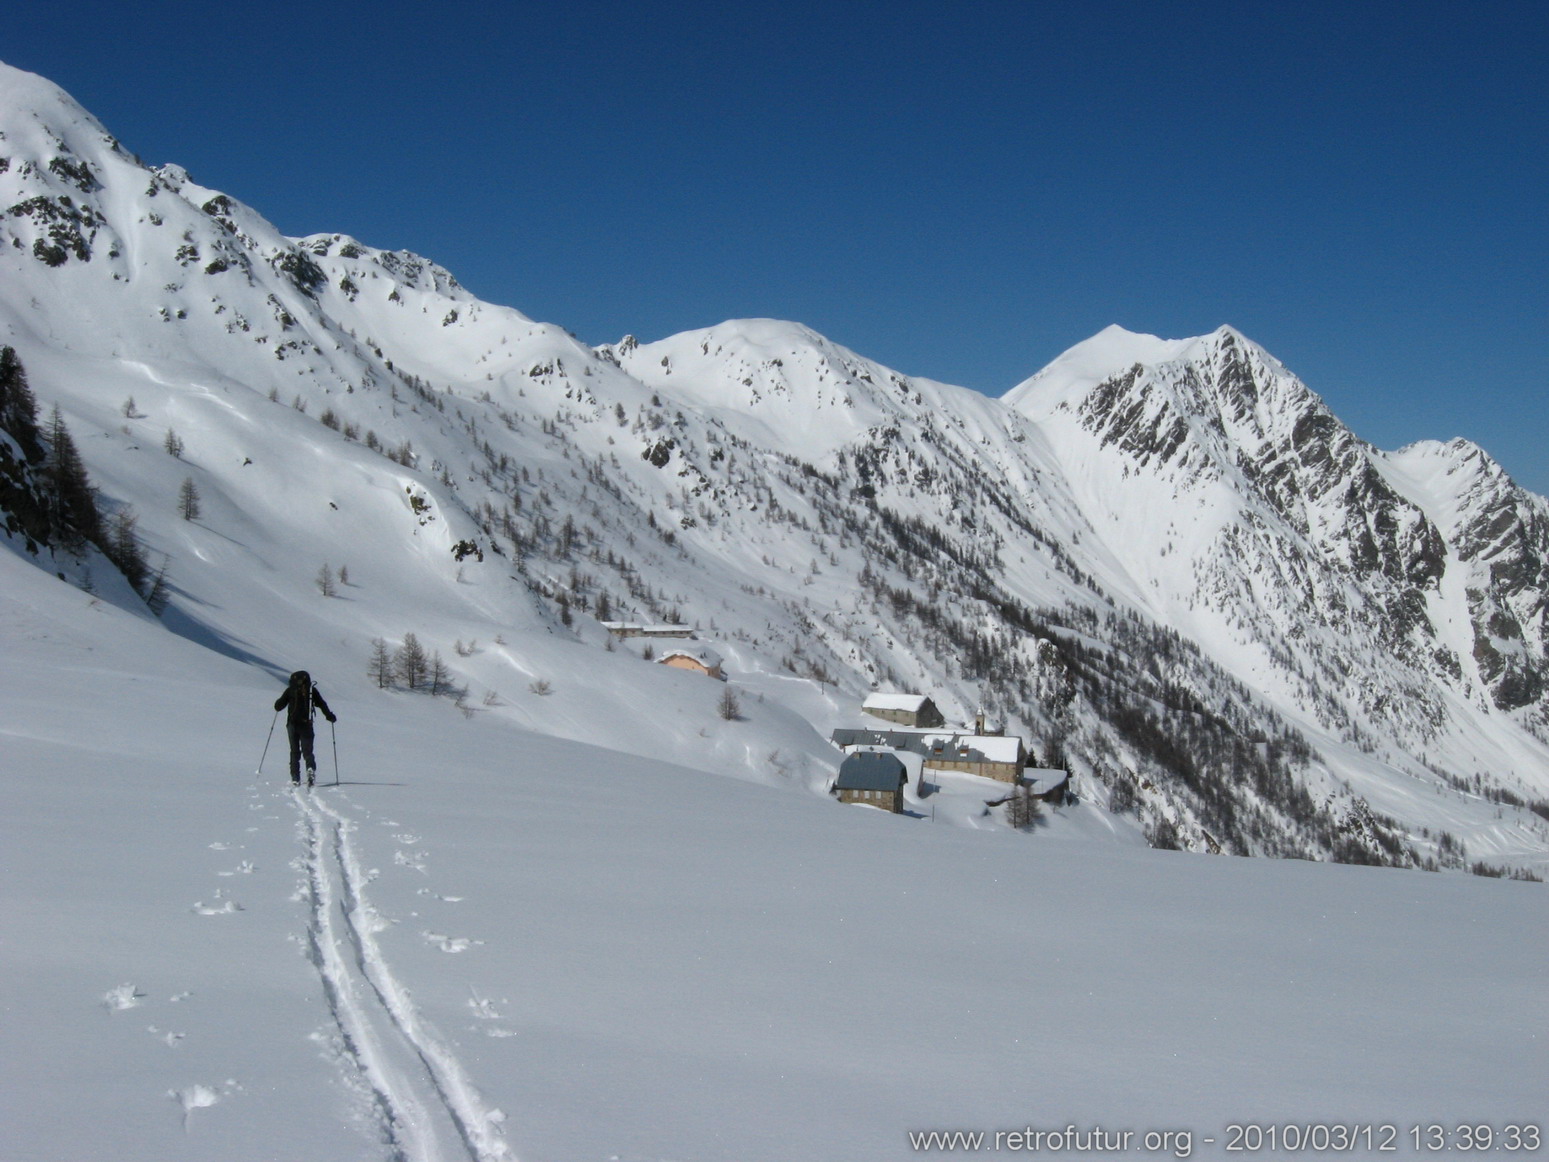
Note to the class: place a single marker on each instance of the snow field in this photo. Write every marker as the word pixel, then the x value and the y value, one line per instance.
pixel 490 943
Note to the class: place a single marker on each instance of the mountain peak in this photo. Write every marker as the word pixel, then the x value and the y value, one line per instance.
pixel 35 103
pixel 1114 349
pixel 773 374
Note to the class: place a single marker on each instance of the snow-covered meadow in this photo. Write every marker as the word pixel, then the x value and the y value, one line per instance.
pixel 489 943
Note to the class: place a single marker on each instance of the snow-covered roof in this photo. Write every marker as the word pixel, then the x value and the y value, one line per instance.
pixel 846 737
pixel 885 701
pixel 991 748
pixel 704 655
pixel 660 630
pixel 1043 779
pixel 954 746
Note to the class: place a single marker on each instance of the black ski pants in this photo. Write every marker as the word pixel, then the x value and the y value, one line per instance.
pixel 301 738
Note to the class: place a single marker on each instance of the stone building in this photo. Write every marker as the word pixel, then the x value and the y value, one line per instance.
pixel 628 629
pixel 995 756
pixel 904 709
pixel 875 778
pixel 695 659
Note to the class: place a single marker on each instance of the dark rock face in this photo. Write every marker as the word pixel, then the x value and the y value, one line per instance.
pixel 1368 561
pixel 1503 533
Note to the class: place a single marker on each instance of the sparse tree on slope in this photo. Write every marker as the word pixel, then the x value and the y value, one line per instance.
pixel 188 499
pixel 411 662
pixel 65 473
pixel 729 707
pixel 380 668
pixel 123 549
pixel 440 676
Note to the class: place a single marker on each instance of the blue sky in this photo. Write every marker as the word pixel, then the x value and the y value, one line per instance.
pixel 959 191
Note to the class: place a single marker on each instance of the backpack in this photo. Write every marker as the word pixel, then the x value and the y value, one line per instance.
pixel 301 695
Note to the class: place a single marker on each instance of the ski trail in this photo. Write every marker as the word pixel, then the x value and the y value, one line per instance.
pixel 399 1116
pixel 424 1105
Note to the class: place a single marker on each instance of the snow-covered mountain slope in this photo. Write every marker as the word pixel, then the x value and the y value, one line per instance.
pixel 1165 561
pixel 1429 537
pixel 582 908
pixel 1395 601
pixel 489 943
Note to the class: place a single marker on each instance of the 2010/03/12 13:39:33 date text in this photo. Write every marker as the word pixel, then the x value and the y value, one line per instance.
pixel 1434 1137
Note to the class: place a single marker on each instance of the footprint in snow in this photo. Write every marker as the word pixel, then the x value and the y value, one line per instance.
pixel 407 839
pixel 170 1040
pixel 225 907
pixel 200 1097
pixel 412 859
pixel 191 1098
pixel 245 868
pixel 439 896
pixel 483 1007
pixel 125 996
pixel 450 943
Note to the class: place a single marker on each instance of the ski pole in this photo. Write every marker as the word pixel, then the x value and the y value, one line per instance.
pixel 334 735
pixel 265 755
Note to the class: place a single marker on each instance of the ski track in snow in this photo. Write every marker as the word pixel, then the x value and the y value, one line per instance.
pixel 424 1105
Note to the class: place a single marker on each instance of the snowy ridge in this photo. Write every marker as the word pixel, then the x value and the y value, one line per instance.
pixel 1071 375
pixel 802 391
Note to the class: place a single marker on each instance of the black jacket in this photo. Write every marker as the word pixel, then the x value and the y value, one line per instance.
pixel 298 714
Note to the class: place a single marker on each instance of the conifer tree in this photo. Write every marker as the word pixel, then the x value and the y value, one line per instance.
pixel 1023 809
pixel 18 406
pixel 729 707
pixel 380 668
pixel 410 662
pixel 188 499
pixel 440 677
pixel 64 474
pixel 122 547
pixel 159 593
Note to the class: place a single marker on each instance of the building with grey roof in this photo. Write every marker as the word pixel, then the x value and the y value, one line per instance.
pixel 995 756
pixel 875 778
pixel 905 709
